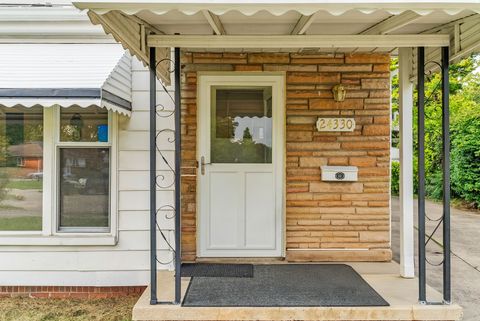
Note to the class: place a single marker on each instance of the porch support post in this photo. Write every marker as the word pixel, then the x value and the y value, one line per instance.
pixel 446 175
pixel 421 175
pixel 153 170
pixel 407 269
pixel 178 160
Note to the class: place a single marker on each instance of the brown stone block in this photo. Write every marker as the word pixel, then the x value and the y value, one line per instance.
pixel 376 130
pixel 381 68
pixel 312 161
pixel 363 58
pixel 311 59
pixel 309 94
pixel 359 75
pixel 375 83
pixel 338 161
pixel 315 78
pixel 268 58
pixel 381 120
pixel 301 120
pixel 331 104
pixel 373 210
pixel 371 112
pixel 357 94
pixel 334 187
pixel 380 93
pixel 297 187
pixel 363 161
pixel 373 171
pixel 248 68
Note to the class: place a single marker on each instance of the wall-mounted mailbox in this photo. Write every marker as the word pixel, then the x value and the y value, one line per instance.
pixel 339 173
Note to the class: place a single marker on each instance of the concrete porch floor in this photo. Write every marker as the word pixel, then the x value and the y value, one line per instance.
pixel 383 277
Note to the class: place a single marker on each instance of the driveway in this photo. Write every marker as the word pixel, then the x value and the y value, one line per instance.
pixel 465 246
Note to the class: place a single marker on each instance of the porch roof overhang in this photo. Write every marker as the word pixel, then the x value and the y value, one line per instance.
pixel 288 25
pixel 66 75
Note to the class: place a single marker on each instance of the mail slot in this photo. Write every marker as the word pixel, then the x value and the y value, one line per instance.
pixel 339 173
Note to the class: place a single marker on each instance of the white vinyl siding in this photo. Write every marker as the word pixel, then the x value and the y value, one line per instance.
pixel 127 261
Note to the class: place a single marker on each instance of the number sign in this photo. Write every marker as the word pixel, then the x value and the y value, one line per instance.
pixel 335 124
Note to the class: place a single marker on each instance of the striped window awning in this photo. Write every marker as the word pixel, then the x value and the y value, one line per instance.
pixel 66 75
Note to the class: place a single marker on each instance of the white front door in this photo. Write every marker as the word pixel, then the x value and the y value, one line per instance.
pixel 240 151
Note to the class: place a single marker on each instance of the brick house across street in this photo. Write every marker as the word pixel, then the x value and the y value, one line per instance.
pixel 229 159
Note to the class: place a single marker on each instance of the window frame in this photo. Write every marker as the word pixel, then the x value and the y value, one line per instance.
pixel 50 233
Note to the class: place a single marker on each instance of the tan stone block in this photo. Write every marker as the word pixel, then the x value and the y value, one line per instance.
pixel 248 68
pixel 366 145
pixel 268 58
pixel 371 112
pixel 315 78
pixel 334 187
pixel 374 237
pixel 309 94
pixel 297 187
pixel 378 203
pixel 345 68
pixel 357 94
pixel 331 104
pixel 376 130
pixel 291 67
pixel 363 58
pixel 301 120
pixel 313 161
pixel 312 146
pixel 373 171
pixel 375 83
pixel 373 210
pixel 358 75
pixel 380 93
pixel 338 161
pixel 365 197
pixel 315 59
pixel 299 136
pixel 299 196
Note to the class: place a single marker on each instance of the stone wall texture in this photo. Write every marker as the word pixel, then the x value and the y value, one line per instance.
pixel 325 221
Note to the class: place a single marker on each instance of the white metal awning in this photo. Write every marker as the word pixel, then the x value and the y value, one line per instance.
pixel 66 75
pixel 140 24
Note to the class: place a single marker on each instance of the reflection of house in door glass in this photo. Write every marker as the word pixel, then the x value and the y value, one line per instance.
pixel 259 127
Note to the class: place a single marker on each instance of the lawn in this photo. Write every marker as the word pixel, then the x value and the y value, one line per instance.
pixel 27 309
pixel 22 223
pixel 25 184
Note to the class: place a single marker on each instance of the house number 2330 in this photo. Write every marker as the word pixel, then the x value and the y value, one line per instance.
pixel 335 124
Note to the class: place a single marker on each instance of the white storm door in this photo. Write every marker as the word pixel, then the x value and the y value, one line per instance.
pixel 240 154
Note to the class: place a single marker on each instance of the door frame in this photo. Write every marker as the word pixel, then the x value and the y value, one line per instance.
pixel 205 80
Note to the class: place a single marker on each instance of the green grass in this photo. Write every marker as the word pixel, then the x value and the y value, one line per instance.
pixel 23 223
pixel 25 184
pixel 28 309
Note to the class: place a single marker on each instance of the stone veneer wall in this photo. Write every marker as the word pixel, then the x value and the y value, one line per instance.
pixel 327 221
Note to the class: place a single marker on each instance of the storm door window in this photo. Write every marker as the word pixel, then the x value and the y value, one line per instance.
pixel 84 170
pixel 21 168
pixel 241 125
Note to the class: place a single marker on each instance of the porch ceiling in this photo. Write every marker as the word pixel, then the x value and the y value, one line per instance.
pixel 131 22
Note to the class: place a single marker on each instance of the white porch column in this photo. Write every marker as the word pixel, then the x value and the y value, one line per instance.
pixel 407 253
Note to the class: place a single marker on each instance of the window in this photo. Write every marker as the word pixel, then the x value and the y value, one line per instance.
pixel 21 168
pixel 241 125
pixel 83 170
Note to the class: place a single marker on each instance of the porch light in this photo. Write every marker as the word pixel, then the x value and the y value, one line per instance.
pixel 339 92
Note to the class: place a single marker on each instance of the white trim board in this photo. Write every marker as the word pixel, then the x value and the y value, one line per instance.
pixel 298 41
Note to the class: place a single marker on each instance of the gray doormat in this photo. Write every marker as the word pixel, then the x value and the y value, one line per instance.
pixel 217 270
pixel 289 285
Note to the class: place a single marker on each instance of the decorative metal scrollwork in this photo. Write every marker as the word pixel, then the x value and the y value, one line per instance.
pixel 165 181
pixel 429 72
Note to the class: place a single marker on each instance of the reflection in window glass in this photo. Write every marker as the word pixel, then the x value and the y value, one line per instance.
pixel 21 168
pixel 241 130
pixel 84 187
pixel 79 124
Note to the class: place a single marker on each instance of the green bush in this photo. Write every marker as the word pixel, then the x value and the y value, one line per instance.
pixel 395 173
pixel 465 158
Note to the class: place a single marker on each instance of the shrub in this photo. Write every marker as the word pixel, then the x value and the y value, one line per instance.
pixel 465 158
pixel 395 173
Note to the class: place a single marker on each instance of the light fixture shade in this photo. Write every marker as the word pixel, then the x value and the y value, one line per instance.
pixel 339 92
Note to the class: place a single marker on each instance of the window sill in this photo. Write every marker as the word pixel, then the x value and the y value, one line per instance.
pixel 35 239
